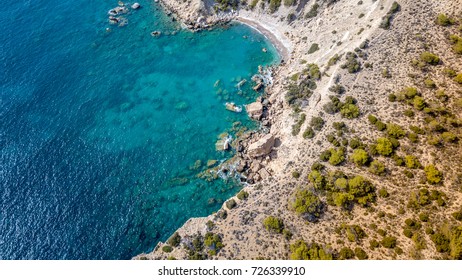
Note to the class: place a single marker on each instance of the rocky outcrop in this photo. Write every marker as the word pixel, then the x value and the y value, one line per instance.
pixel 254 110
pixel 261 147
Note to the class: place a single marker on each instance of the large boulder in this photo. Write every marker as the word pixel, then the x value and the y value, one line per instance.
pixel 254 110
pixel 262 147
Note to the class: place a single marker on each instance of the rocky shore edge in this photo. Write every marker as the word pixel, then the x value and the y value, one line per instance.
pixel 254 149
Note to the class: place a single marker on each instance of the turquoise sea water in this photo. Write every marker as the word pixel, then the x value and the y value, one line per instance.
pixel 98 129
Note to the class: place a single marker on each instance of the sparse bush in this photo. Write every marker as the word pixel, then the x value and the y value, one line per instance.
pixel 174 240
pixel 429 58
pixel 361 254
pixel 242 195
pixel 167 249
pixel 444 20
pixel 230 204
pixel 314 48
pixel 377 168
pixel 362 190
pixel 313 11
pixel 386 20
pixel 308 133
pixel 274 5
pixel 383 193
pixel 350 111
pixel 352 63
pixel 412 162
pixel 307 205
pixel 360 157
pixel 317 123
pixel 389 242
pixel 384 146
pixel 434 176
pixel 458 79
pixel 337 156
pixel 395 131
pixel 302 251
pixel 273 224
pixel 346 254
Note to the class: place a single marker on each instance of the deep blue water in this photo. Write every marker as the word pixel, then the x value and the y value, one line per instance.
pixel 98 128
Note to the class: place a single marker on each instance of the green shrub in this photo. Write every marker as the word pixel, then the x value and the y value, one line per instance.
pixel 308 133
pixel 355 143
pixel 424 217
pixel 307 205
pixel 395 131
pixel 372 119
pixel 444 20
pixel 349 111
pixel 384 146
pixel 167 249
pixel 325 155
pixel 273 224
pixel 274 5
pixel 457 42
pixel 377 168
pixel 458 79
pixel 386 20
pixel 361 254
pixel 355 233
pixel 429 58
pixel 313 11
pixel 231 204
pixel 360 157
pixel 337 156
pixel 242 195
pixel 373 244
pixel 343 200
pixel 380 126
pixel 388 242
pixel 302 251
pixel 287 234
pixel 213 242
pixel 174 240
pixel 383 193
pixel 434 176
pixel 429 83
pixel 289 3
pixel 449 137
pixel 317 123
pixel 317 179
pixel 362 190
pixel 352 63
pixel 253 4
pixel 346 254
pixel 314 48
pixel 412 162
pixel 441 242
pixel 419 103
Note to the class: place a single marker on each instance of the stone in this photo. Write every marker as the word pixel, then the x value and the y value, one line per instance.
pixel 256 166
pixel 211 163
pixel 264 174
pixel 241 167
pixel 258 87
pixel 254 110
pixel 136 6
pixel 262 147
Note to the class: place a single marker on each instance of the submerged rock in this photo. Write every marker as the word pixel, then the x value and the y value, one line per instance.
pixel 262 147
pixel 136 6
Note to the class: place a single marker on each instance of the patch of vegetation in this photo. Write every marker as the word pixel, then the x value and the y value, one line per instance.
pixel 429 58
pixel 386 20
pixel 346 254
pixel 273 224
pixel 444 20
pixel 242 195
pixel 360 157
pixel 377 168
pixel 384 146
pixel 308 133
pixel 388 242
pixel 274 5
pixel 174 240
pixel 434 176
pixel 352 63
pixel 361 254
pixel 300 250
pixel 230 204
pixel 167 249
pixel 314 48
pixel 313 11
pixel 307 205
pixel 297 126
pixel 317 123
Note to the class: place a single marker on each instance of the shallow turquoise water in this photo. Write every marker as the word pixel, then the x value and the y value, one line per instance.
pixel 97 127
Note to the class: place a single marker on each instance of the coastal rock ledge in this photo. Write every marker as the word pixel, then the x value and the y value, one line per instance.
pixel 254 110
pixel 262 147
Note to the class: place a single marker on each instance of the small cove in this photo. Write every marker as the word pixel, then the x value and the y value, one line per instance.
pixel 100 131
